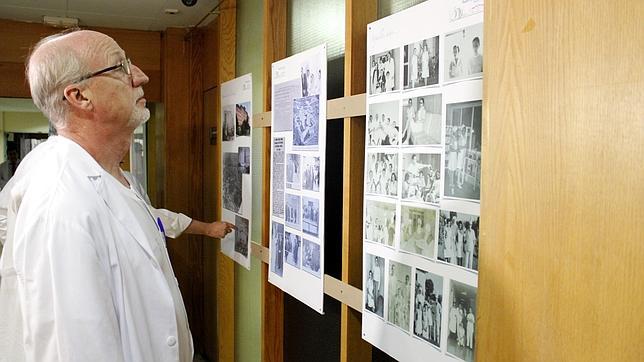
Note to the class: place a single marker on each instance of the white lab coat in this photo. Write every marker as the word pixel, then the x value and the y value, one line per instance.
pixel 89 283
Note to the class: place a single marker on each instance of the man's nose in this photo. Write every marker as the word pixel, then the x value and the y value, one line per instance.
pixel 138 77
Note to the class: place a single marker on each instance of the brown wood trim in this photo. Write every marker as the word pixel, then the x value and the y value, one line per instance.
pixel 225 266
pixel 358 13
pixel 274 18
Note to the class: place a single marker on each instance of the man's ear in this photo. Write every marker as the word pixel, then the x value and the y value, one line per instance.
pixel 77 98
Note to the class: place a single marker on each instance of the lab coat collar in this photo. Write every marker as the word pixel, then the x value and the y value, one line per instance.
pixel 106 187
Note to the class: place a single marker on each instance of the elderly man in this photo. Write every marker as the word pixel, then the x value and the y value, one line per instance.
pixel 84 251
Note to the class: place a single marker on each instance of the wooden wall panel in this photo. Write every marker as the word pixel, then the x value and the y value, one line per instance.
pixel 359 13
pixel 225 266
pixel 211 158
pixel 183 166
pixel 274 27
pixel 17 38
pixel 562 199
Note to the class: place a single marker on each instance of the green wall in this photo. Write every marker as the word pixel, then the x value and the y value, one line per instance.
pixel 248 283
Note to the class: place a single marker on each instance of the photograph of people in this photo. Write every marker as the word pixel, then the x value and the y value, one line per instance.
pixel 292 212
pixel 306 113
pixel 458 239
pixel 462 318
pixel 399 295
pixel 311 166
pixel 292 243
pixel 311 78
pixel 374 285
pixel 464 49
pixel 243 119
pixel 463 150
pixel 421 63
pixel 293 171
pixel 422 120
pixel 422 177
pixel 382 174
pixel 243 155
pixel 418 227
pixel 311 257
pixel 310 215
pixel 383 126
pixel 380 222
pixel 384 72
pixel 277 248
pixel 428 303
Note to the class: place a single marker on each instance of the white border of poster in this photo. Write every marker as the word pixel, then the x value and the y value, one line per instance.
pixel 236 165
pixel 408 272
pixel 298 146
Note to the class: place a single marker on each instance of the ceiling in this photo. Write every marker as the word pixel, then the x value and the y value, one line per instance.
pixel 125 14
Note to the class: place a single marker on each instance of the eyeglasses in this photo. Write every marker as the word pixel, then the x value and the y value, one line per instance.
pixel 124 65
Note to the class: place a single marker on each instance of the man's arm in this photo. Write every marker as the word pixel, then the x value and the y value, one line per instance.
pixel 217 229
pixel 175 224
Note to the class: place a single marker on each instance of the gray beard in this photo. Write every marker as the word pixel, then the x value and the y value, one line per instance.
pixel 139 116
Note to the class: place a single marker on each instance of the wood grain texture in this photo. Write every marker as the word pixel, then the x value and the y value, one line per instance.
pixel 211 99
pixel 184 169
pixel 274 27
pixel 226 31
pixel 561 275
pixel 358 13
pixel 17 38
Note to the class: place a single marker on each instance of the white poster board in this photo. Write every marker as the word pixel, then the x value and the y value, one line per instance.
pixel 298 134
pixel 236 171
pixel 422 181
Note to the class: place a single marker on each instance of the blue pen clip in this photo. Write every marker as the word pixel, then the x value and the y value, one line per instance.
pixel 161 229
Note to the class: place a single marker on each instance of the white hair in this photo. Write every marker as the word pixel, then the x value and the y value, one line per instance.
pixel 49 71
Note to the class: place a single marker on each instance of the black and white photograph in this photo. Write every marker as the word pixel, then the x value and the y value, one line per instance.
pixel 418 231
pixel 311 76
pixel 306 124
pixel 293 171
pixel 428 307
pixel 383 127
pixel 243 154
pixel 464 53
pixel 277 249
pixel 384 72
pixel 422 120
pixel 241 235
pixel 310 216
pixel 421 61
pixel 374 288
pixel 461 321
pixel 421 180
pixel 382 174
pixel 228 127
pixel 292 212
pixel 458 239
pixel 311 176
pixel 463 151
pixel 232 182
pixel 311 257
pixel 277 176
pixel 380 222
pixel 243 119
pixel 399 295
pixel 292 245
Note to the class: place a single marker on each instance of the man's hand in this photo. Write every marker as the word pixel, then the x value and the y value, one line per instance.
pixel 217 229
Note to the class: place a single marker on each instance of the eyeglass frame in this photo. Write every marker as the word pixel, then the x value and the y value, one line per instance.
pixel 125 65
